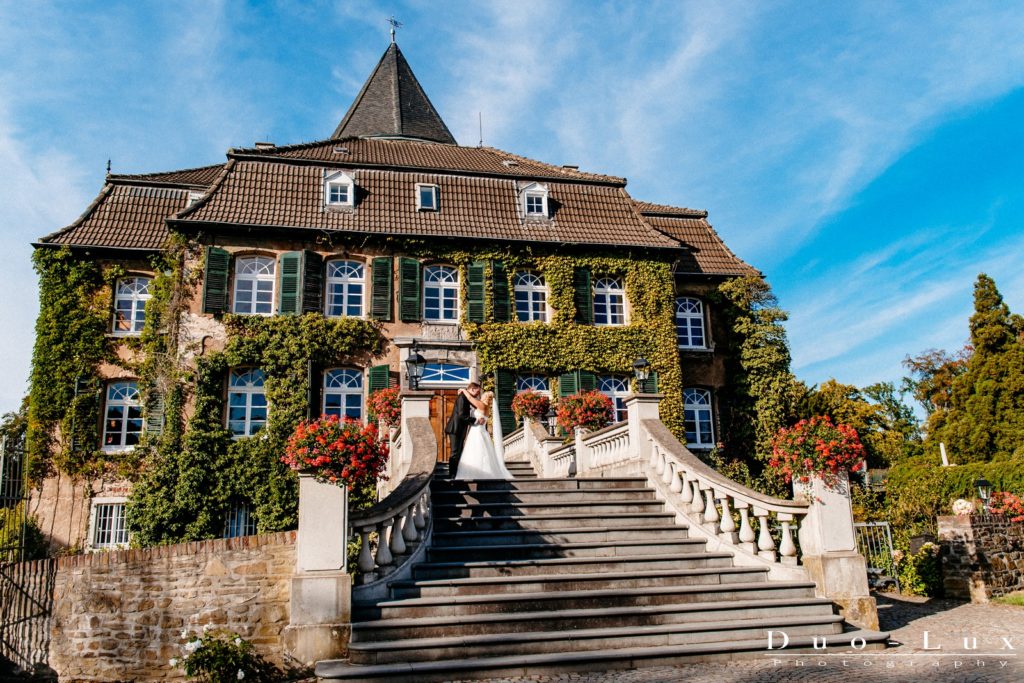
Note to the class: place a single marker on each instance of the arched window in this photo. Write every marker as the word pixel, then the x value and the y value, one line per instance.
pixel 130 297
pixel 531 297
pixel 122 423
pixel 440 294
pixel 346 282
pixel 538 383
pixel 343 393
pixel 247 402
pixel 690 323
pixel 615 388
pixel 697 419
pixel 609 302
pixel 445 373
pixel 254 285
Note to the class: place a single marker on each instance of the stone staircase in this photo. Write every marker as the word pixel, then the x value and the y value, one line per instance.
pixel 538 575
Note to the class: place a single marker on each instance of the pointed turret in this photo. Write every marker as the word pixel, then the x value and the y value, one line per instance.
pixel 392 104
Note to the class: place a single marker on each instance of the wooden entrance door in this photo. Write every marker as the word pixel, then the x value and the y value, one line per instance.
pixel 441 406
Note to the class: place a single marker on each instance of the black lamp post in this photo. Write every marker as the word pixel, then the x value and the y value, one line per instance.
pixel 984 491
pixel 414 367
pixel 642 370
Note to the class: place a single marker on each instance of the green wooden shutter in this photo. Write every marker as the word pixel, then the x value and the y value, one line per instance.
pixel 155 414
pixel 583 296
pixel 568 384
pixel 313 383
pixel 504 392
pixel 290 265
pixel 312 282
pixel 587 380
pixel 409 290
pixel 475 292
pixel 379 377
pixel 382 278
pixel 215 280
pixel 651 384
pixel 500 295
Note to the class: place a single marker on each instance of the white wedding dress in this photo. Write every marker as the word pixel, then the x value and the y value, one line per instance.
pixel 482 457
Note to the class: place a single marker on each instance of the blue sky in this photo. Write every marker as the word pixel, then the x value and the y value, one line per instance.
pixel 867 157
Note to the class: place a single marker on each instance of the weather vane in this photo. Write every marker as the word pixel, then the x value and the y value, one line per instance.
pixel 394 24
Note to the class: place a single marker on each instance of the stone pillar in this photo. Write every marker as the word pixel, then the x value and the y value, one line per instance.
pixel 828 546
pixel 641 407
pixel 321 592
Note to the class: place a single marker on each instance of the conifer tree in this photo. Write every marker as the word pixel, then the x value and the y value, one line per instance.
pixel 986 416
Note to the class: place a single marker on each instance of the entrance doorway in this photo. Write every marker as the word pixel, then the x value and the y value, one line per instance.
pixel 441 406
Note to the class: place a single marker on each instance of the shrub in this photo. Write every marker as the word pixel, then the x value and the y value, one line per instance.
pixel 222 656
pixel 816 447
pixel 1006 503
pixel 530 404
pixel 590 410
pixel 386 406
pixel 920 573
pixel 337 451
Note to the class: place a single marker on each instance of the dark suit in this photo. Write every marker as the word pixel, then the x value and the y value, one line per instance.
pixel 461 420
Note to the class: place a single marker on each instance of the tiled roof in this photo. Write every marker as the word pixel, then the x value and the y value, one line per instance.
pixel 273 193
pixel 392 102
pixel 125 217
pixel 705 251
pixel 203 176
pixel 408 154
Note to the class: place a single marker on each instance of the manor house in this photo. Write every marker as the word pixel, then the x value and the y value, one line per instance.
pixel 384 240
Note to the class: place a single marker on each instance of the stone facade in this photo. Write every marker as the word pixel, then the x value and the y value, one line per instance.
pixel 983 556
pixel 118 616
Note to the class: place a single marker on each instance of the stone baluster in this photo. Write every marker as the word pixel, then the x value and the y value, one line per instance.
pixel 409 531
pixel 397 537
pixel 677 483
pixel 668 472
pixel 728 524
pixel 747 536
pixel 384 557
pixel 787 548
pixel 697 506
pixel 686 491
pixel 765 544
pixel 711 516
pixel 418 518
pixel 655 455
pixel 365 561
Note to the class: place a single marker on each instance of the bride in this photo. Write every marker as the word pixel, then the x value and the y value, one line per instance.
pixel 482 457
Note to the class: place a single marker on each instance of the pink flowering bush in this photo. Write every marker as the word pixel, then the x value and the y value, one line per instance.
pixel 816 447
pixel 530 404
pixel 343 452
pixel 590 410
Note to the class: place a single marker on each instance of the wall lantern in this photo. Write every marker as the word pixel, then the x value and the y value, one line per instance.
pixel 642 370
pixel 552 419
pixel 984 491
pixel 414 363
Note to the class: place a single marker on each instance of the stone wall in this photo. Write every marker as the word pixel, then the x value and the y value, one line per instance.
pixel 983 556
pixel 118 615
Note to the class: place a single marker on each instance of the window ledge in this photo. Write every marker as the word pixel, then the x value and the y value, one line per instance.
pixel 701 350
pixel 122 335
pixel 440 322
pixel 117 449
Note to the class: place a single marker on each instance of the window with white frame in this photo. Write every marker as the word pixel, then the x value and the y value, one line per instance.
pixel 247 402
pixel 531 297
pixel 535 201
pixel 240 521
pixel 339 190
pixel 615 388
pixel 697 419
pixel 427 197
pixel 130 297
pixel 444 373
pixel 440 294
pixel 346 283
pixel 254 285
pixel 609 302
pixel 690 323
pixel 538 383
pixel 122 416
pixel 107 524
pixel 343 393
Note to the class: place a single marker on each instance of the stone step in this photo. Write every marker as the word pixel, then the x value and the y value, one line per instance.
pixel 526 551
pixel 585 599
pixel 541 496
pixel 607 535
pixel 427 588
pixel 601 506
pixel 594 660
pixel 497 645
pixel 535 484
pixel 568 565
pixel 654 519
pixel 572 619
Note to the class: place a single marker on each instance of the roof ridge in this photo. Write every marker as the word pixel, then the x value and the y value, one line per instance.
pixel 669 210
pixel 121 176
pixel 202 201
pixel 104 192
pixel 560 169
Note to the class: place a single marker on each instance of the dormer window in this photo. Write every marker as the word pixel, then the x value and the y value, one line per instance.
pixel 339 190
pixel 426 197
pixel 535 201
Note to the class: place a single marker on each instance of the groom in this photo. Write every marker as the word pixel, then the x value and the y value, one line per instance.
pixel 460 421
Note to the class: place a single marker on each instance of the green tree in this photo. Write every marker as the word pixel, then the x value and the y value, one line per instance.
pixel 756 402
pixel 932 374
pixel 985 420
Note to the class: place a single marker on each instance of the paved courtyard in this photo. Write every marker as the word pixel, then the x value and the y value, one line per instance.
pixel 907 619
